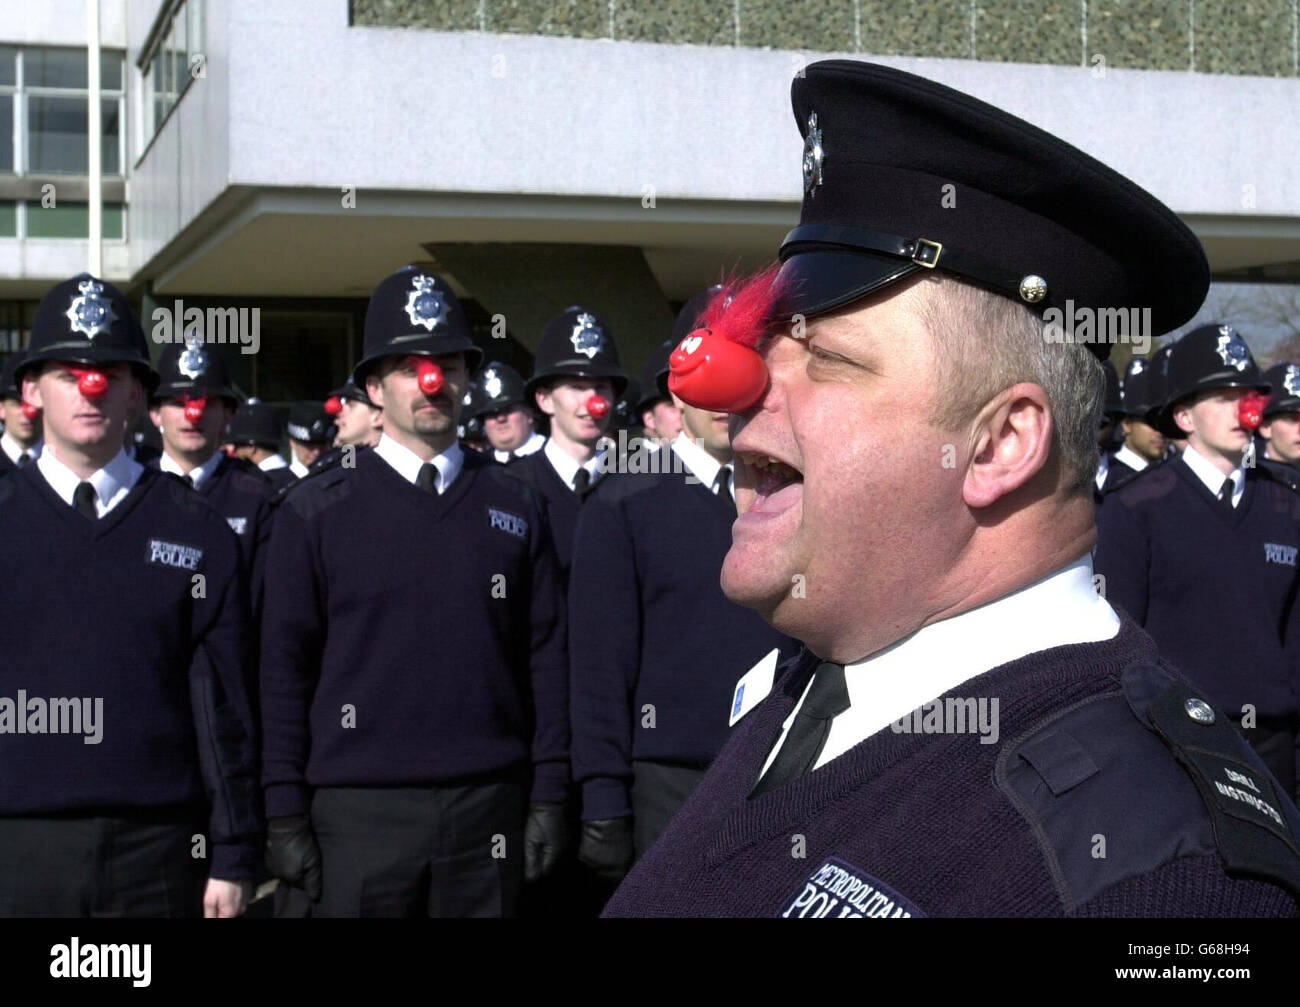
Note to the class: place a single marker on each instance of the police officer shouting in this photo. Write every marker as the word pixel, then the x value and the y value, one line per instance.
pixel 414 673
pixel 1204 538
pixel 916 456
pixel 20 443
pixel 120 738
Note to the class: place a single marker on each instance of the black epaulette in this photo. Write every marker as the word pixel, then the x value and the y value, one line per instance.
pixel 1158 746
pixel 1278 472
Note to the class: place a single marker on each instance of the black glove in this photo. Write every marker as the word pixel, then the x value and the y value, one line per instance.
pixel 606 847
pixel 292 854
pixel 545 838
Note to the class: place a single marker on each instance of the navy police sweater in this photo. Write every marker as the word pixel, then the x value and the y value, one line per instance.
pixel 109 612
pixel 649 626
pixel 411 639
pixel 1092 743
pixel 1215 588
pixel 563 505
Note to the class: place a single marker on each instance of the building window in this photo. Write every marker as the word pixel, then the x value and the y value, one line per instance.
pixel 170 63
pixel 72 220
pixel 44 124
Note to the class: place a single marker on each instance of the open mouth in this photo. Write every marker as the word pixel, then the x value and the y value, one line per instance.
pixel 777 484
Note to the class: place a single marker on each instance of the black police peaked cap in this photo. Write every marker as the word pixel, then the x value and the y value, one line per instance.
pixel 351 390
pixel 9 387
pixel 1284 380
pixel 310 423
pixel 192 368
pixel 576 344
pixel 1030 217
pixel 257 423
pixel 1139 394
pixel 415 312
pixel 1207 358
pixel 86 320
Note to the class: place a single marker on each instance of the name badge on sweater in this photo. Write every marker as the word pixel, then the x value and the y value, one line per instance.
pixel 182 557
pixel 753 687
pixel 237 524
pixel 1283 554
pixel 838 889
pixel 504 521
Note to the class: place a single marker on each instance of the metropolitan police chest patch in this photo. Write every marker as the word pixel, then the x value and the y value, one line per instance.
pixel 1284 555
pixel 511 524
pixel 173 554
pixel 838 889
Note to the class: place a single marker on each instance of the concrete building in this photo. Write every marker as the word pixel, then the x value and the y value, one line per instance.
pixel 621 154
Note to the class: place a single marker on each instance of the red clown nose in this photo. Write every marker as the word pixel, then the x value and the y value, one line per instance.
pixel 598 407
pixel 31 411
pixel 195 408
pixel 716 367
pixel 334 405
pixel 1250 409
pixel 91 383
pixel 429 376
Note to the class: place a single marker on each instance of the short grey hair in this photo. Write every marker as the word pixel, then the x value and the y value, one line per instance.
pixel 985 342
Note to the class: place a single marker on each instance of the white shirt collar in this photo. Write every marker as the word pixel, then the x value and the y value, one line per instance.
pixel 112 483
pixel 703 466
pixel 14 450
pixel 407 463
pixel 272 463
pixel 528 447
pixel 1131 458
pixel 197 474
pixel 1206 471
pixel 1103 469
pixel 298 468
pixel 566 466
pixel 1061 608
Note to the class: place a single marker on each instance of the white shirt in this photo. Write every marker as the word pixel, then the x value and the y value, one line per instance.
pixel 1207 472
pixel 14 450
pixel 566 466
pixel 1059 609
pixel 534 443
pixel 112 483
pixel 201 472
pixel 1132 459
pixel 703 466
pixel 1103 469
pixel 272 463
pixel 408 463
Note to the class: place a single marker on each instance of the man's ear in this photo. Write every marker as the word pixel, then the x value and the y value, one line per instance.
pixel 155 416
pixel 375 389
pixel 1183 418
pixel 542 395
pixel 1011 440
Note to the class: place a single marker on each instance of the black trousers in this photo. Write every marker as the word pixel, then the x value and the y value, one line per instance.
pixel 659 789
pixel 101 866
pixel 1273 739
pixel 421 851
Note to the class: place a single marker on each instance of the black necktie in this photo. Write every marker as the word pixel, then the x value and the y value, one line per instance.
pixel 827 699
pixel 724 487
pixel 189 479
pixel 427 479
pixel 1225 494
pixel 581 480
pixel 83 498
pixel 24 459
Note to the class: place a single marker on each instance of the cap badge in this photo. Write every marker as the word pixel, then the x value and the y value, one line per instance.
pixel 193 360
pixel 492 384
pixel 587 337
pixel 424 304
pixel 813 155
pixel 1033 289
pixel 1136 366
pixel 1232 348
pixel 1292 380
pixel 90 313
